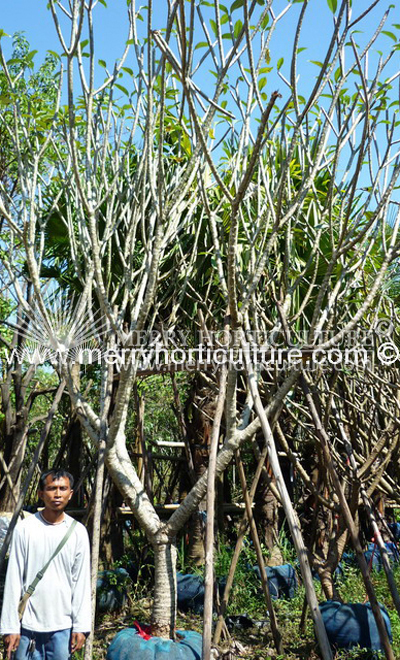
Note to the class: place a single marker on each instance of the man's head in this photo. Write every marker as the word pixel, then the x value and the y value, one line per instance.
pixel 55 474
pixel 55 489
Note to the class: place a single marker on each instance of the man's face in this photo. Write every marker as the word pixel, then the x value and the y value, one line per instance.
pixel 56 493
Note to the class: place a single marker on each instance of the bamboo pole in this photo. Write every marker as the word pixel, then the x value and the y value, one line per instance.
pixel 260 559
pixel 324 440
pixel 106 395
pixel 367 503
pixel 210 507
pixel 38 451
pixel 291 516
pixel 239 544
pixel 97 510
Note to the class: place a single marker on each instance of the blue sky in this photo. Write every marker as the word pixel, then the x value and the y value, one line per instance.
pixel 111 24
pixel 32 17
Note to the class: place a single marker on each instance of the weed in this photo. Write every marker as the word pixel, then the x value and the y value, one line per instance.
pixel 247 597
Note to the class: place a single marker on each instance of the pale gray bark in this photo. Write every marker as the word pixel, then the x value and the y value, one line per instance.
pixel 105 403
pixel 210 507
pixel 165 595
pixel 141 206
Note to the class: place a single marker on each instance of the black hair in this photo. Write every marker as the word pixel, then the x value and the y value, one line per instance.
pixel 56 474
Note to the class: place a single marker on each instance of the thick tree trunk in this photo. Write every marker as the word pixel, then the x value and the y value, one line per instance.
pixel 163 620
pixel 162 537
pixel 266 514
pixel 203 400
pixel 196 538
pixel 144 468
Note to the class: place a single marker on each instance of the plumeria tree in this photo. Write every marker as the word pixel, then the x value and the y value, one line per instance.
pixel 185 155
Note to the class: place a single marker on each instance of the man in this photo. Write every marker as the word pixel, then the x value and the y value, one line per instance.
pixel 58 614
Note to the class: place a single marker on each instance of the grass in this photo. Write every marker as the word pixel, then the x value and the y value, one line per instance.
pixel 246 597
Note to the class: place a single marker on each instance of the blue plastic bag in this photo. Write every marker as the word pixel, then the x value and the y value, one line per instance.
pixel 395 529
pixel 377 559
pixel 282 580
pixel 129 645
pixel 190 591
pixel 111 594
pixel 353 624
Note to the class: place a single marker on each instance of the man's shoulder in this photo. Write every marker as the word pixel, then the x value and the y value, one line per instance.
pixel 31 520
pixel 80 529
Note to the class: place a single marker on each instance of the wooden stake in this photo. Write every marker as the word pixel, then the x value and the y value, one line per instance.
pixel 324 440
pixel 106 395
pixel 239 544
pixel 210 507
pixel 97 510
pixel 291 516
pixel 367 503
pixel 42 441
pixel 260 559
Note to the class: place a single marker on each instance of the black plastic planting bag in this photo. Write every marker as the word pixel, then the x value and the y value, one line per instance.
pixel 395 529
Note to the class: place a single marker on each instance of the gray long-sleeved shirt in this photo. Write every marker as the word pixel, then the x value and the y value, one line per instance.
pixel 62 597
